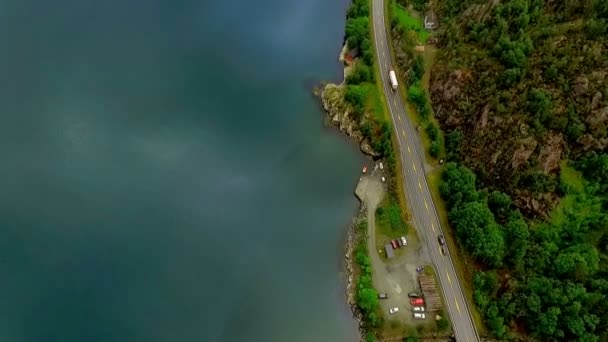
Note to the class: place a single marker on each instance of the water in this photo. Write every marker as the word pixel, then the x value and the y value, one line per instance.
pixel 165 174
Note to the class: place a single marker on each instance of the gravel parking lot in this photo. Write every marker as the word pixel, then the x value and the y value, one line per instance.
pixel 396 277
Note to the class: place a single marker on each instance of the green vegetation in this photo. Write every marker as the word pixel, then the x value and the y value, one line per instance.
pixel 360 84
pixel 390 216
pixel 367 296
pixel 402 18
pixel 527 194
pixel 363 94
pixel 547 278
pixel 524 81
pixel 407 32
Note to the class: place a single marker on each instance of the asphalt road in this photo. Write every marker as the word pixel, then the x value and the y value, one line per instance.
pixel 417 191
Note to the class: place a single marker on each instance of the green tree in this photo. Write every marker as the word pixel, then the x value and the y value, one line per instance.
pixel 478 232
pixel 548 322
pixel 356 95
pixel 434 149
pixel 500 205
pixel 517 236
pixel 357 29
pixel 359 8
pixel 539 105
pixel 415 93
pixel 417 70
pixel 361 73
pixel 433 131
pixel 453 144
pixel 458 185
pixel 368 299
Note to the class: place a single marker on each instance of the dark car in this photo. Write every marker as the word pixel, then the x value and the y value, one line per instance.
pixel 383 295
pixel 441 240
pixel 444 250
pixel 413 295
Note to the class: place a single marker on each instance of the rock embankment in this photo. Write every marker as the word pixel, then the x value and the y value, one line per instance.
pixel 351 290
pixel 341 114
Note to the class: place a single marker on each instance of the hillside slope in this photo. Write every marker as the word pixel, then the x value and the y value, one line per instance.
pixel 525 82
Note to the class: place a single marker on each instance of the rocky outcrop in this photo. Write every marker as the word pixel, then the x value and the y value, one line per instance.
pixel 340 115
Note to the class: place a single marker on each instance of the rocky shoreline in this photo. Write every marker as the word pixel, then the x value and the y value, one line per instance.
pixel 339 112
pixel 349 257
pixel 339 115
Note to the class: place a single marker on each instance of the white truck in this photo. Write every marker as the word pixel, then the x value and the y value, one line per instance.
pixel 393 78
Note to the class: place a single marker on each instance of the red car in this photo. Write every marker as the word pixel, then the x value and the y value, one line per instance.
pixel 394 243
pixel 417 301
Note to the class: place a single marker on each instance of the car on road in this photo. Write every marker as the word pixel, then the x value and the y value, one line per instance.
pixel 403 240
pixel 383 295
pixel 441 240
pixel 418 309
pixel 393 310
pixel 413 295
pixel 417 301
pixel 419 316
pixel 394 244
pixel 444 250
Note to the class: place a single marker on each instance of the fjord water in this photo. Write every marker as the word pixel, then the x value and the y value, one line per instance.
pixel 165 173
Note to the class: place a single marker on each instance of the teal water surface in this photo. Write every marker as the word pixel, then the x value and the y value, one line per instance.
pixel 165 174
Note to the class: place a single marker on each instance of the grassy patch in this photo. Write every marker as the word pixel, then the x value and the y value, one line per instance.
pixel 375 102
pixel 410 22
pixel 389 224
pixel 570 179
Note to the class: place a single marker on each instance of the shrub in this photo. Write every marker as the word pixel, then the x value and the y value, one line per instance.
pixel 434 149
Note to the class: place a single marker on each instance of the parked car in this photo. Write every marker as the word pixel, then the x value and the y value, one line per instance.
pixel 399 243
pixel 418 309
pixel 393 310
pixel 413 295
pixel 403 241
pixel 419 268
pixel 419 316
pixel 441 240
pixel 394 244
pixel 383 295
pixel 444 250
pixel 417 301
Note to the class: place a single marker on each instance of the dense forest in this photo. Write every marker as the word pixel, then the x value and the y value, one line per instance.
pixel 520 91
pixel 525 82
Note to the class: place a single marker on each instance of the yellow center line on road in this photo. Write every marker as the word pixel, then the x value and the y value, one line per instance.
pixel 449 279
pixel 433 226
pixel 403 133
pixel 426 205
pixel 408 149
pixel 457 306
pixel 395 102
pixel 419 185
pixel 414 166
pixel 399 117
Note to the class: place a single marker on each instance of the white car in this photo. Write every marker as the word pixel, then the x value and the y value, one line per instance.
pixel 393 310
pixel 418 309
pixel 403 241
pixel 419 316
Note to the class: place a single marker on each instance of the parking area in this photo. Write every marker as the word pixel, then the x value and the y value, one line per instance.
pixel 396 276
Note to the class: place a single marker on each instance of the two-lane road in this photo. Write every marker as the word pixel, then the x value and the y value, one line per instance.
pixel 417 192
